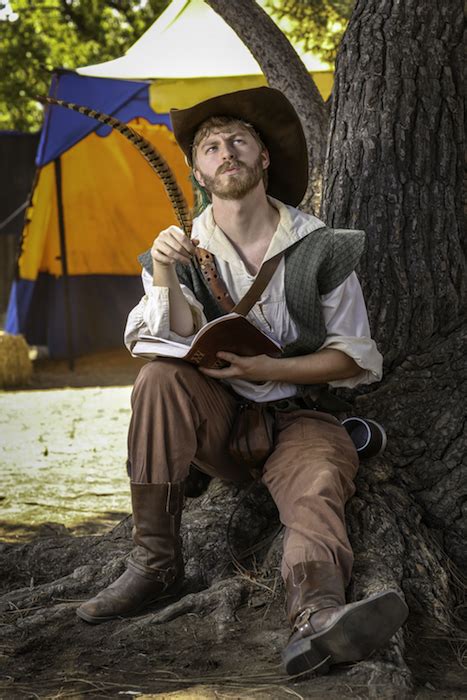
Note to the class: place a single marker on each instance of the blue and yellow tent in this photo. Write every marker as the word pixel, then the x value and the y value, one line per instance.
pixel 96 204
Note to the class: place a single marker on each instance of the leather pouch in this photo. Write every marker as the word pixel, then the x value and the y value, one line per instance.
pixel 252 436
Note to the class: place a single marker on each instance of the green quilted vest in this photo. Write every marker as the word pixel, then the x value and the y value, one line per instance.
pixel 315 265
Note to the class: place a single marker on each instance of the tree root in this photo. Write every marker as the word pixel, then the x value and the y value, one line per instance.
pixel 382 679
pixel 68 587
pixel 222 600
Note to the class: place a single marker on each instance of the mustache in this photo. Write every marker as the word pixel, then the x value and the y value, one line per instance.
pixel 231 164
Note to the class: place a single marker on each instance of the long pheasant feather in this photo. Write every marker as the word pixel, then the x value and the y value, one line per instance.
pixel 147 150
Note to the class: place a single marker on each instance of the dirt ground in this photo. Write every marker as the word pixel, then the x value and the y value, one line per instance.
pixel 63 447
pixel 62 460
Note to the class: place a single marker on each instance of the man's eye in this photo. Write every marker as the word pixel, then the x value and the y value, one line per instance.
pixel 210 148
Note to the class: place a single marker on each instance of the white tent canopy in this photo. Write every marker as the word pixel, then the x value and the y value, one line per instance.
pixel 188 40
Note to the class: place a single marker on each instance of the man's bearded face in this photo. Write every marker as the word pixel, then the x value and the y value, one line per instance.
pixel 229 160
pixel 234 179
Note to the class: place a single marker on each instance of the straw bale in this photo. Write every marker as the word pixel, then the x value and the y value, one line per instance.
pixel 15 364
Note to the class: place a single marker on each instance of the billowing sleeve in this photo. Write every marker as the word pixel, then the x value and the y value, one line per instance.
pixel 348 330
pixel 152 315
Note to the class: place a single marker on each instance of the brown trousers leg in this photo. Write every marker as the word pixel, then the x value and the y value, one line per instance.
pixel 180 416
pixel 310 477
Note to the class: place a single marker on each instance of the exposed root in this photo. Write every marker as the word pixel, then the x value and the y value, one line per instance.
pixel 67 588
pixel 222 599
pixel 382 680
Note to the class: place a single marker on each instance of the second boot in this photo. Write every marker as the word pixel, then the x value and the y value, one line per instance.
pixel 155 567
pixel 326 631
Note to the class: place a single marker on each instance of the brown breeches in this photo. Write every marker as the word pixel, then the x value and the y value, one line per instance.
pixel 181 416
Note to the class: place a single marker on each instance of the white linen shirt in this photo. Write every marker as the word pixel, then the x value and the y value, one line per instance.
pixel 344 310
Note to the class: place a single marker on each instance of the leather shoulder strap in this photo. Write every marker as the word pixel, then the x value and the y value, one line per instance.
pixel 259 285
pixel 207 263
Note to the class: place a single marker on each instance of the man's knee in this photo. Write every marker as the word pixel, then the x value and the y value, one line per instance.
pixel 307 481
pixel 332 481
pixel 163 373
pixel 163 368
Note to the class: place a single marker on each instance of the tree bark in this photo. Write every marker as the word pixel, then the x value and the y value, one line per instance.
pixel 395 165
pixel 285 71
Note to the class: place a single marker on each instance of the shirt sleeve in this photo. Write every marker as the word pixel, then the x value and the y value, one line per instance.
pixel 348 330
pixel 152 315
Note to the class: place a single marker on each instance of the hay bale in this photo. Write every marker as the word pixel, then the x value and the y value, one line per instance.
pixel 15 364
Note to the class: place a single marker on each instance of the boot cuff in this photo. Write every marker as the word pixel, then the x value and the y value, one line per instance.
pixel 312 586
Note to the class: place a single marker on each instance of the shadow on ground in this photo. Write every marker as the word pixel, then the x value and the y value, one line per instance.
pixel 106 368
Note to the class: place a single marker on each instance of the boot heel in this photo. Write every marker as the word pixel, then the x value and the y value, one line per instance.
pixel 302 656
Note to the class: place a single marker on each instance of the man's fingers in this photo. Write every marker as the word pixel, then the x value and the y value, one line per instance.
pixel 182 244
pixel 173 233
pixel 228 356
pixel 230 372
pixel 175 247
pixel 226 373
pixel 170 254
pixel 173 243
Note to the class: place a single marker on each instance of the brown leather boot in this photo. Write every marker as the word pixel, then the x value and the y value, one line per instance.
pixel 325 630
pixel 155 567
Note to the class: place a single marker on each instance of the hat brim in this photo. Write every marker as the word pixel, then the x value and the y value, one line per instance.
pixel 276 121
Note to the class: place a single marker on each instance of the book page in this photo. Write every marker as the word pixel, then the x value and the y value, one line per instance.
pixel 154 348
pixel 155 339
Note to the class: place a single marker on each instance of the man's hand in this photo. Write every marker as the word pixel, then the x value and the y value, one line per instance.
pixel 172 246
pixel 254 369
pixel 319 367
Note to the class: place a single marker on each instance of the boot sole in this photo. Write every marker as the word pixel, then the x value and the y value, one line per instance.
pixel 353 636
pixel 94 620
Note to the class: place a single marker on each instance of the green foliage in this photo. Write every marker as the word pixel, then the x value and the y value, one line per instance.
pixel 37 36
pixel 318 24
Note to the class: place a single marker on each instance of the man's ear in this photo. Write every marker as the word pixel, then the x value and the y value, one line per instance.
pixel 265 159
pixel 198 177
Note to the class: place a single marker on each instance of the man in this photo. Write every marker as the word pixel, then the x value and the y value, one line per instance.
pixel 248 151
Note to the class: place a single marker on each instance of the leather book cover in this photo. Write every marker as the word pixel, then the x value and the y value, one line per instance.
pixel 231 333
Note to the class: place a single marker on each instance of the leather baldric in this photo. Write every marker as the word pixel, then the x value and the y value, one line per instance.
pixel 217 286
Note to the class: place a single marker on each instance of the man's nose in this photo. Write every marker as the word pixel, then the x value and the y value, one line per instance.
pixel 227 151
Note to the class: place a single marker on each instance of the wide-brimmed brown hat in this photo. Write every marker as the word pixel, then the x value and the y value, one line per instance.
pixel 275 120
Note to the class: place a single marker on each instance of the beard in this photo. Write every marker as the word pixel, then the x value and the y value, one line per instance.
pixel 236 185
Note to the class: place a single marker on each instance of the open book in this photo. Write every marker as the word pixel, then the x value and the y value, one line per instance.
pixel 231 333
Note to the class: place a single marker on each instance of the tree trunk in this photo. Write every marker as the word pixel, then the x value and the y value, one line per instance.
pixel 396 165
pixel 285 71
pixel 393 169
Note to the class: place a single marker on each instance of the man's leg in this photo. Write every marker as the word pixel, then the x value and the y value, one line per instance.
pixel 179 416
pixel 310 476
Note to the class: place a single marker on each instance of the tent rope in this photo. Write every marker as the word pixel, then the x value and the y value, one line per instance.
pixel 147 150
pixel 13 216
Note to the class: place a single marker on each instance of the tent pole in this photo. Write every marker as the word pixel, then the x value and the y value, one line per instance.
pixel 64 262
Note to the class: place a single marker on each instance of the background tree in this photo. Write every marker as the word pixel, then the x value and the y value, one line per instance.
pixel 37 37
pixel 318 24
pixel 394 167
pixel 285 71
